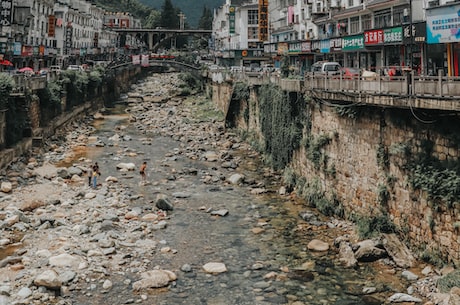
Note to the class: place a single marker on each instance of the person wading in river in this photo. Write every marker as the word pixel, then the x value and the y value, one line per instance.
pixel 90 175
pixel 96 173
pixel 142 170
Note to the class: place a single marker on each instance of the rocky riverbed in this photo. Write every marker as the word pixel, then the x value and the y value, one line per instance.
pixel 211 225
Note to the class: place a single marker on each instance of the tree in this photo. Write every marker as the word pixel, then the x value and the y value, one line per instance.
pixel 205 22
pixel 6 86
pixel 169 16
pixel 153 20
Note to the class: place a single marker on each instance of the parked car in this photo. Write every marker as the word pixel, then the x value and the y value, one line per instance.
pixel 43 72
pixel 326 68
pixel 75 68
pixel 236 69
pixel 268 68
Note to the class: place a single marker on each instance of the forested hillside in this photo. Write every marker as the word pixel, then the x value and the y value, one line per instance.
pixel 193 9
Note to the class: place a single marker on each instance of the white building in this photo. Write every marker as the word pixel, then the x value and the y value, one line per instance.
pixel 236 34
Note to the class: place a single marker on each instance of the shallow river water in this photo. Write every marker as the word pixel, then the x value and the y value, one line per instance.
pixel 262 241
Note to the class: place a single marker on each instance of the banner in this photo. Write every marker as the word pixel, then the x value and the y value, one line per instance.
pixel 136 59
pixel 145 61
pixel 353 43
pixel 68 39
pixel 443 24
pixel 263 20
pixel 6 9
pixel 231 20
pixel 51 25
pixel 17 48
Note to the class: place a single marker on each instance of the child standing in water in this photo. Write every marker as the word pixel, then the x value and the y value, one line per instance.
pixel 142 170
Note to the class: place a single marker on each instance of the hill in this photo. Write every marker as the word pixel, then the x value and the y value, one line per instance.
pixel 193 9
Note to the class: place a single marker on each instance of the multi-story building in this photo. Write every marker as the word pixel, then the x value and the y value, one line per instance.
pixel 40 33
pixel 238 33
pixel 418 35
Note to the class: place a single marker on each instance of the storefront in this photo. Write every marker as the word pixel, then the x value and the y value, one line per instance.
pixel 335 46
pixel 387 46
pixel 352 47
pixel 443 51
pixel 415 45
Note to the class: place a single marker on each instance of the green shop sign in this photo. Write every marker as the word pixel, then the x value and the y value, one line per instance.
pixel 393 35
pixel 353 43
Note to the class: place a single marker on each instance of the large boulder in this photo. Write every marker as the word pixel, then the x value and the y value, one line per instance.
pixel 49 279
pixel 398 251
pixel 368 251
pixel 347 256
pixel 126 166
pixel 154 279
pixel 163 203
pixel 318 245
pixel 214 268
pixel 6 187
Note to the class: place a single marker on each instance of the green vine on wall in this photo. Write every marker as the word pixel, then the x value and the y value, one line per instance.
pixel 314 147
pixel 382 157
pixel 6 86
pixel 16 110
pixel 440 180
pixel 281 120
pixel 240 91
pixel 314 195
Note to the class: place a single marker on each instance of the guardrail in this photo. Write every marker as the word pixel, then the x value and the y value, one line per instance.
pixel 407 85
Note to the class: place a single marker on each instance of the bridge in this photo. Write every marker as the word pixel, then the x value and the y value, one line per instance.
pixel 154 37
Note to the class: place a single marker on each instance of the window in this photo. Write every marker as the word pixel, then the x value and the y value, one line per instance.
pixel 253 33
pixel 253 17
pixel 382 18
pixel 354 25
pixel 398 15
pixel 366 22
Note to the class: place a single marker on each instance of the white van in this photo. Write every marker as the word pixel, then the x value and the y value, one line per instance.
pixel 326 67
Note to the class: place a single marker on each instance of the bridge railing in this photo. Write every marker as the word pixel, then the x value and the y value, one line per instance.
pixel 407 85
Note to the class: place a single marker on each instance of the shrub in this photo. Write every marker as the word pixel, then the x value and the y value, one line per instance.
pixel 6 86
pixel 447 282
pixel 372 226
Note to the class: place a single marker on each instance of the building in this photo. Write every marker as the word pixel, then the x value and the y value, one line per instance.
pixel 239 33
pixel 413 35
pixel 41 33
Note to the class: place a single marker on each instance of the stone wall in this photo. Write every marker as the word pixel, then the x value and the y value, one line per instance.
pixel 367 163
pixel 122 80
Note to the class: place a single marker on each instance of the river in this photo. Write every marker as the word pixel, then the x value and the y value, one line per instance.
pixel 64 243
pixel 262 241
